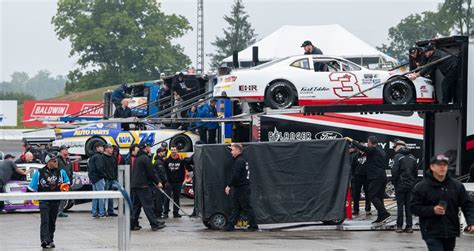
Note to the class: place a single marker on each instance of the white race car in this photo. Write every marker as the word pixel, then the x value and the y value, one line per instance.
pixel 81 140
pixel 319 80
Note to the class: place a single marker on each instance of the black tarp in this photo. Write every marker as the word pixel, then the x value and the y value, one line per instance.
pixel 304 181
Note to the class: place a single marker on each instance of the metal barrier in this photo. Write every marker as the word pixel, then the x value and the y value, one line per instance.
pixel 124 208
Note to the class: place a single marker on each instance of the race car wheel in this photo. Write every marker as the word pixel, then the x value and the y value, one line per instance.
pixel 280 95
pixel 90 145
pixel 399 92
pixel 182 142
pixel 217 221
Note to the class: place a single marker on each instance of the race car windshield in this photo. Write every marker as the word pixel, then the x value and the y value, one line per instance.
pixel 267 64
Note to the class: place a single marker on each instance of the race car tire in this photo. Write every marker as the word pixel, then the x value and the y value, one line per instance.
pixel 280 95
pixel 333 222
pixel 217 221
pixel 68 205
pixel 90 145
pixel 399 92
pixel 182 142
pixel 256 107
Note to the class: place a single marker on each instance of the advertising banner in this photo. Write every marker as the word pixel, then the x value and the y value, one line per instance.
pixel 8 112
pixel 36 109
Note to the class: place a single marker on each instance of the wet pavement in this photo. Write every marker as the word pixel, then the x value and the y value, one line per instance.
pixel 20 231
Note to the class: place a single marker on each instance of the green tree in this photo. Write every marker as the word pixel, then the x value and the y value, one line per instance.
pixel 411 29
pixel 18 96
pixel 119 41
pixel 458 13
pixel 238 36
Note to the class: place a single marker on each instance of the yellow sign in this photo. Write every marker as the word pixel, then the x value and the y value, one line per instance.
pixel 124 139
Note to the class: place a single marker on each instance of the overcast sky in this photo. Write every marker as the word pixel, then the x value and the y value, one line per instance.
pixel 28 42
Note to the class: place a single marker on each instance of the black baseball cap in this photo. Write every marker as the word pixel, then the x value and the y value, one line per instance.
pixel 98 143
pixel 8 156
pixel 307 42
pixel 143 145
pixel 439 158
pixel 413 50
pixel 159 150
pixel 108 146
pixel 164 144
pixel 50 156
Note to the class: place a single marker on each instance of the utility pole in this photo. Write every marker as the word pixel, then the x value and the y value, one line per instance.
pixel 200 37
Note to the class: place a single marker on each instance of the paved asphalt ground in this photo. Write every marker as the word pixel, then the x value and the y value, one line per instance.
pixel 20 231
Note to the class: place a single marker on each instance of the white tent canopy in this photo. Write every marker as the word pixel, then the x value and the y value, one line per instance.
pixel 332 39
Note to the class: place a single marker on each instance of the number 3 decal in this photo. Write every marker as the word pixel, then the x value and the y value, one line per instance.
pixel 346 83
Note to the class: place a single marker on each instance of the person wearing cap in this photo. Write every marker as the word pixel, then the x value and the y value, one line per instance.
pixel 48 179
pixel 175 171
pixel 415 57
pixel 158 166
pixel 179 85
pixel 166 152
pixel 212 126
pixel 7 169
pixel 238 187
pixel 448 67
pixel 64 163
pixel 111 175
pixel 96 172
pixel 359 179
pixel 119 94
pixel 309 48
pixel 143 176
pixel 436 200
pixel 404 174
pixel 376 176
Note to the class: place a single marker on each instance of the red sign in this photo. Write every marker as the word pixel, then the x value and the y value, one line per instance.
pixel 35 109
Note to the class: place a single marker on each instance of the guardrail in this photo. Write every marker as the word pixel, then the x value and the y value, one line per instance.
pixel 124 208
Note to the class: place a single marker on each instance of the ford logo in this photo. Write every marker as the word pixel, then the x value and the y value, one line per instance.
pixel 328 135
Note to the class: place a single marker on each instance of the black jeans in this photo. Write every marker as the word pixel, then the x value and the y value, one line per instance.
pixel 159 201
pixel 441 244
pixel 142 197
pixel 2 203
pixel 403 202
pixel 359 182
pixel 203 133
pixel 48 214
pixel 212 133
pixel 376 193
pixel 173 189
pixel 449 86
pixel 241 204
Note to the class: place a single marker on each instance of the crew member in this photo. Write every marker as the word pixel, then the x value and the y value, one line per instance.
pixel 119 94
pixel 7 169
pixel 48 179
pixel 142 176
pixel 123 111
pixel 64 163
pixel 404 173
pixel 376 165
pixel 309 48
pixel 436 200
pixel 359 179
pixel 415 57
pixel 449 68
pixel 159 167
pixel 239 185
pixel 212 126
pixel 96 172
pixel 174 167
pixel 202 112
pixel 111 175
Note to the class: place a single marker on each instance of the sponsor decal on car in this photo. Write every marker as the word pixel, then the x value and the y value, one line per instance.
pixel 90 132
pixel 248 88
pixel 288 136
pixel 309 90
pixel 328 135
